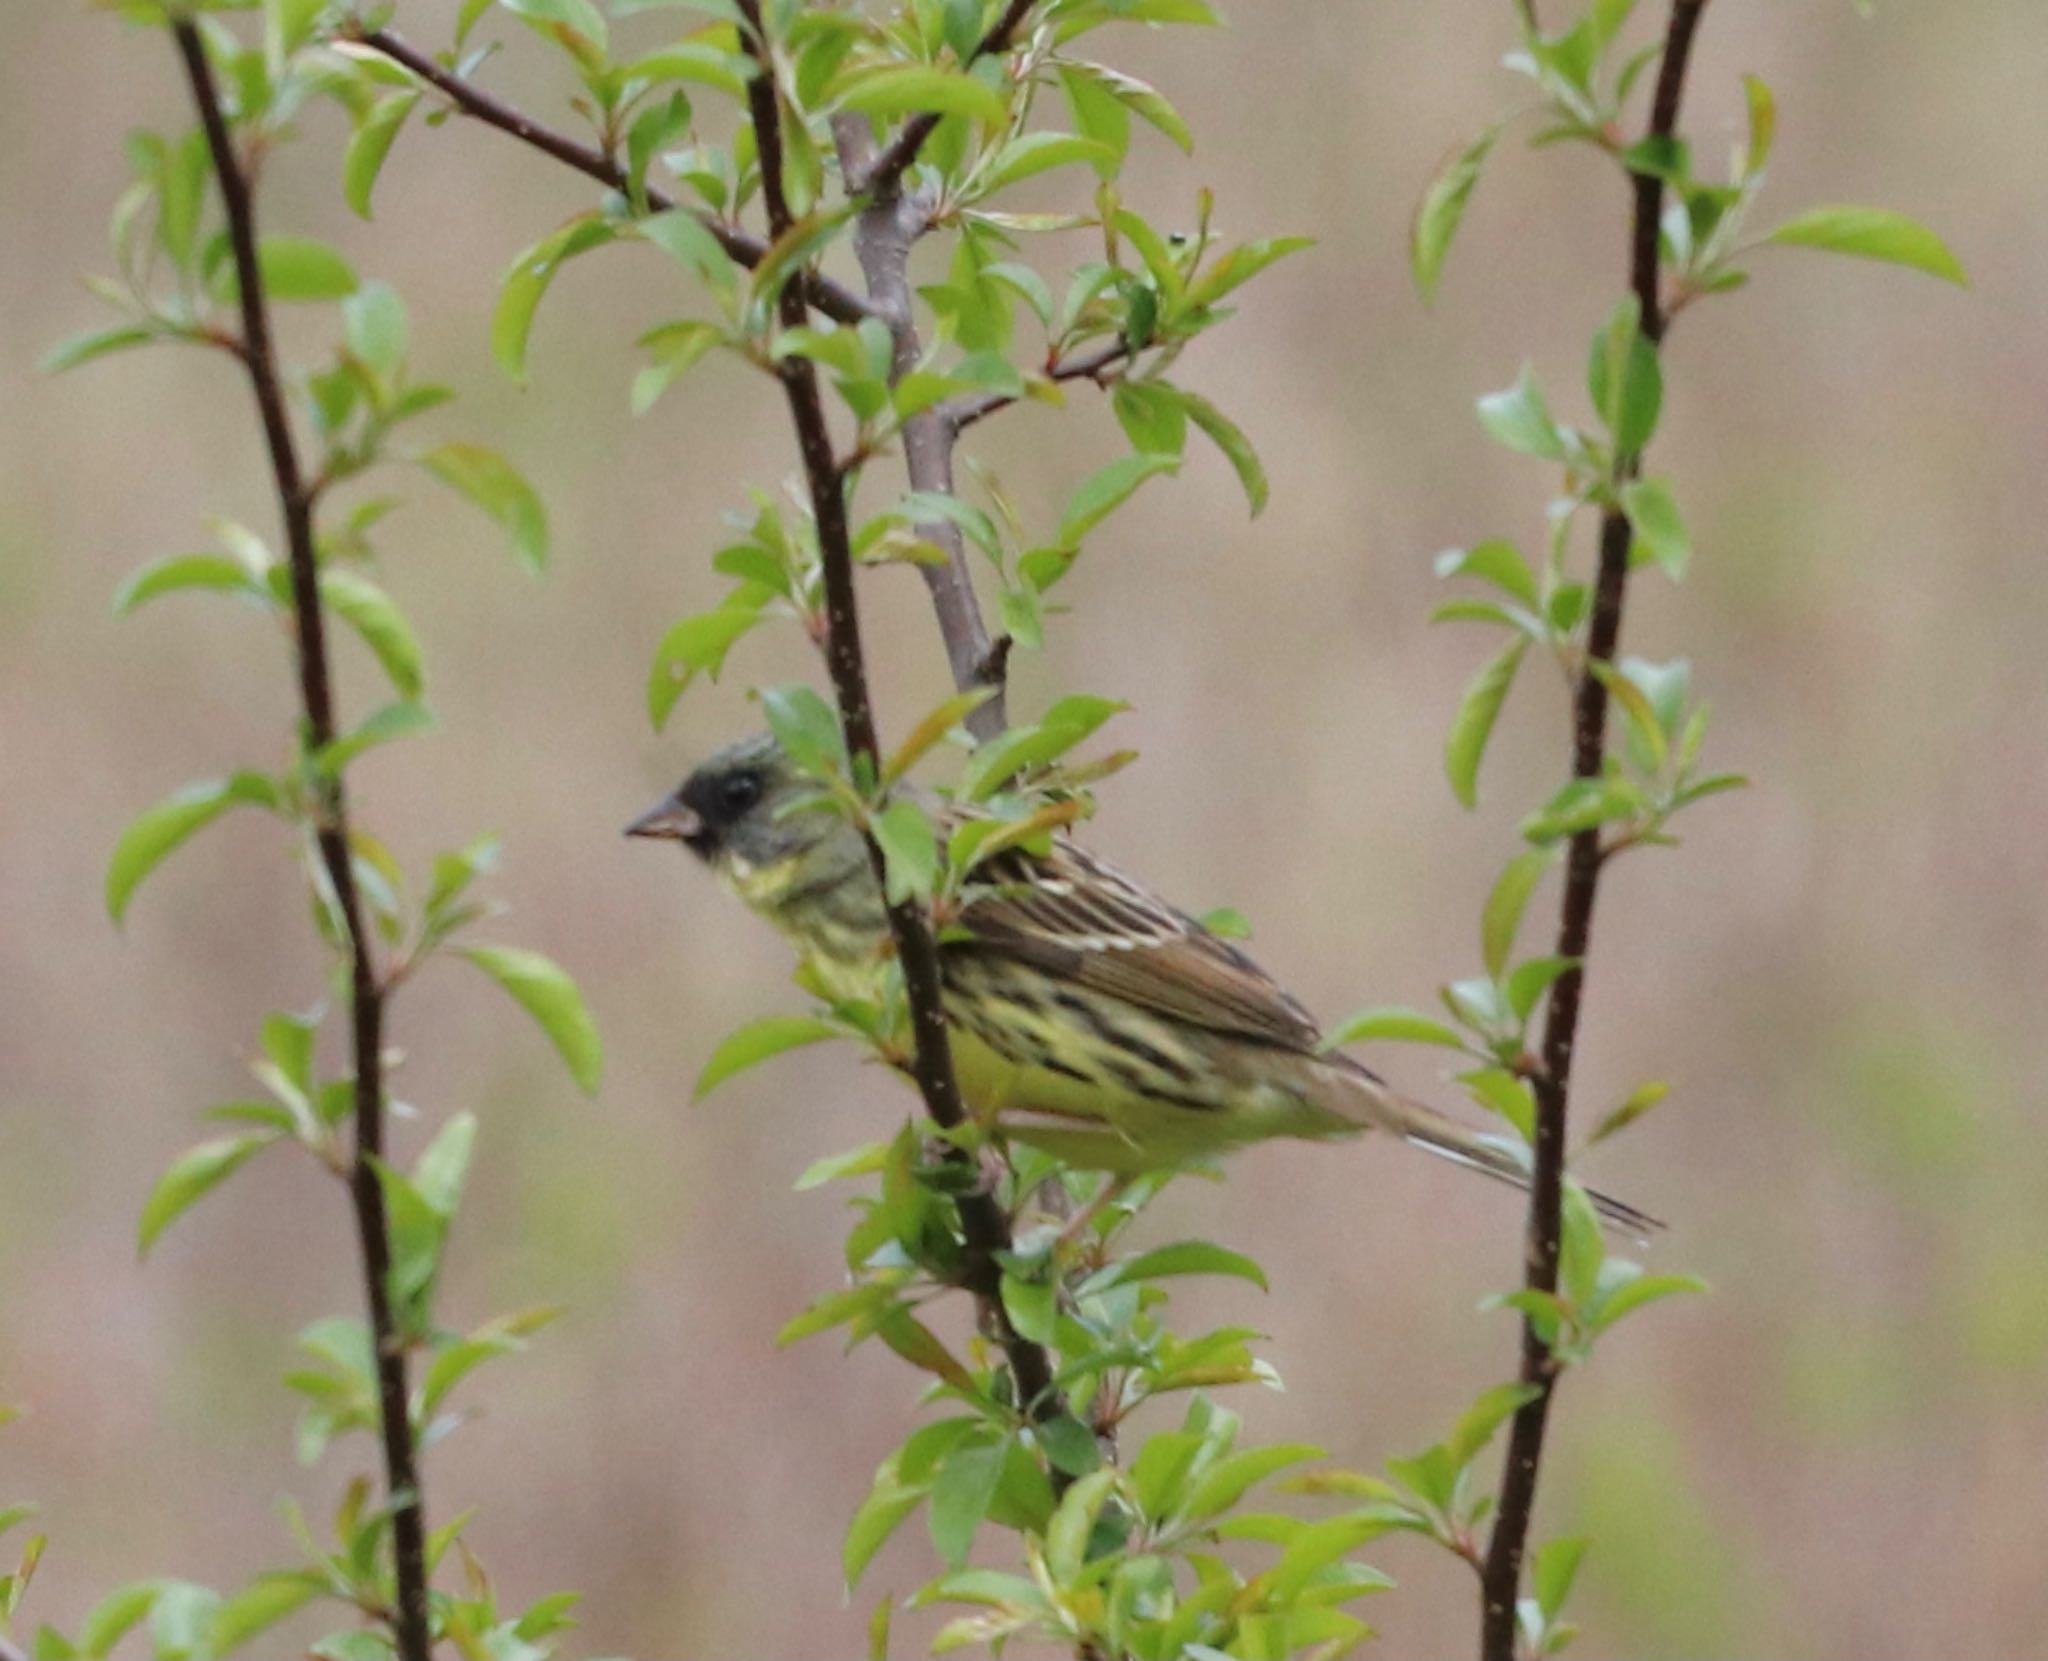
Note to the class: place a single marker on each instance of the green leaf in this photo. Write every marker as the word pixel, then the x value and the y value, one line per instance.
pixel 444 1164
pixel 1442 208
pixel 910 850
pixel 158 831
pixel 1069 1445
pixel 756 1042
pixel 694 646
pixel 1226 922
pixel 1496 561
pixel 374 615
pixel 1106 490
pixel 1313 1550
pixel 877 1517
pixel 1236 448
pixel 806 727
pixel 1033 153
pixel 259 1606
pixel 1640 1101
pixel 94 343
pixel 1582 1249
pixel 691 60
pixel 368 147
pixel 192 1175
pixel 527 279
pixel 1520 419
pixel 1473 724
pixel 1763 126
pixel 116 1615
pixel 1153 416
pixel 1552 1568
pixel 1872 233
pixel 1660 529
pixel 916 89
pixel 1187 1257
pixel 857 1162
pixel 1579 806
pixel 404 719
pixel 1238 266
pixel 493 484
pixel 1500 1091
pixel 1067 1535
pixel 1504 906
pixel 1230 1478
pixel 576 25
pixel 1478 1424
pixel 931 731
pixel 1632 1294
pixel 1404 1026
pixel 676 348
pixel 183 571
pixel 374 320
pixel 551 998
pixel 300 268
pixel 1624 379
pixel 687 240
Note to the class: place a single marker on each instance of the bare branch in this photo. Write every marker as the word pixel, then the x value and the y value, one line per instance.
pixel 883 236
pixel 986 1229
pixel 331 832
pixel 1502 1576
pixel 833 299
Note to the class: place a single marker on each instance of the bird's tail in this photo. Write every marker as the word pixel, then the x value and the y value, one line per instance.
pixel 1366 1101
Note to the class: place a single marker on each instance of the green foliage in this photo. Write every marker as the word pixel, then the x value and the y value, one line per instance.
pixel 1121 1557
pixel 175 281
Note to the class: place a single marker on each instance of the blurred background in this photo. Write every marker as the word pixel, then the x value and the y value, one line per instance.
pixel 1839 1453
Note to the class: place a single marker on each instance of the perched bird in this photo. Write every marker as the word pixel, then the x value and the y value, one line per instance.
pixel 1087 1016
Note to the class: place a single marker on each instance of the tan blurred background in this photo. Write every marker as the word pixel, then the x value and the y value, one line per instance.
pixel 1840 1453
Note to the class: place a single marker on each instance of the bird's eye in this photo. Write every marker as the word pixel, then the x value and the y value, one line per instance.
pixel 739 793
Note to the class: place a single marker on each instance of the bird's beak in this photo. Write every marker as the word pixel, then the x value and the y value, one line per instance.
pixel 671 821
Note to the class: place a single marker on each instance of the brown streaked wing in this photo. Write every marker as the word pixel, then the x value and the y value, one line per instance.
pixel 1080 920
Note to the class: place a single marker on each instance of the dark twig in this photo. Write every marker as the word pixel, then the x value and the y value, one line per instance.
pixel 982 1221
pixel 331 832
pixel 1501 1577
pixel 882 175
pixel 833 299
pixel 962 413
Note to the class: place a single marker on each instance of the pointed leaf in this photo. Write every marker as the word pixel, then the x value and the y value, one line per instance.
pixel 1872 233
pixel 1473 725
pixel 192 1175
pixel 551 998
pixel 756 1042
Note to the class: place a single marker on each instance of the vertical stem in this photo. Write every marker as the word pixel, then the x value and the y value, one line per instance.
pixel 882 239
pixel 331 834
pixel 986 1229
pixel 1501 1572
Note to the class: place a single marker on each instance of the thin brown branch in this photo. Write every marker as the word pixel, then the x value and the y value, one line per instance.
pixel 833 299
pixel 983 1224
pixel 962 413
pixel 881 177
pixel 1502 1575
pixel 411 1628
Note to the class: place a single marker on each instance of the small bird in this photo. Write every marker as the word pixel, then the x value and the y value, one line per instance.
pixel 1087 1016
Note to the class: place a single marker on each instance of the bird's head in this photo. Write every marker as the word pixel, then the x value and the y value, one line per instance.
pixel 743 807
